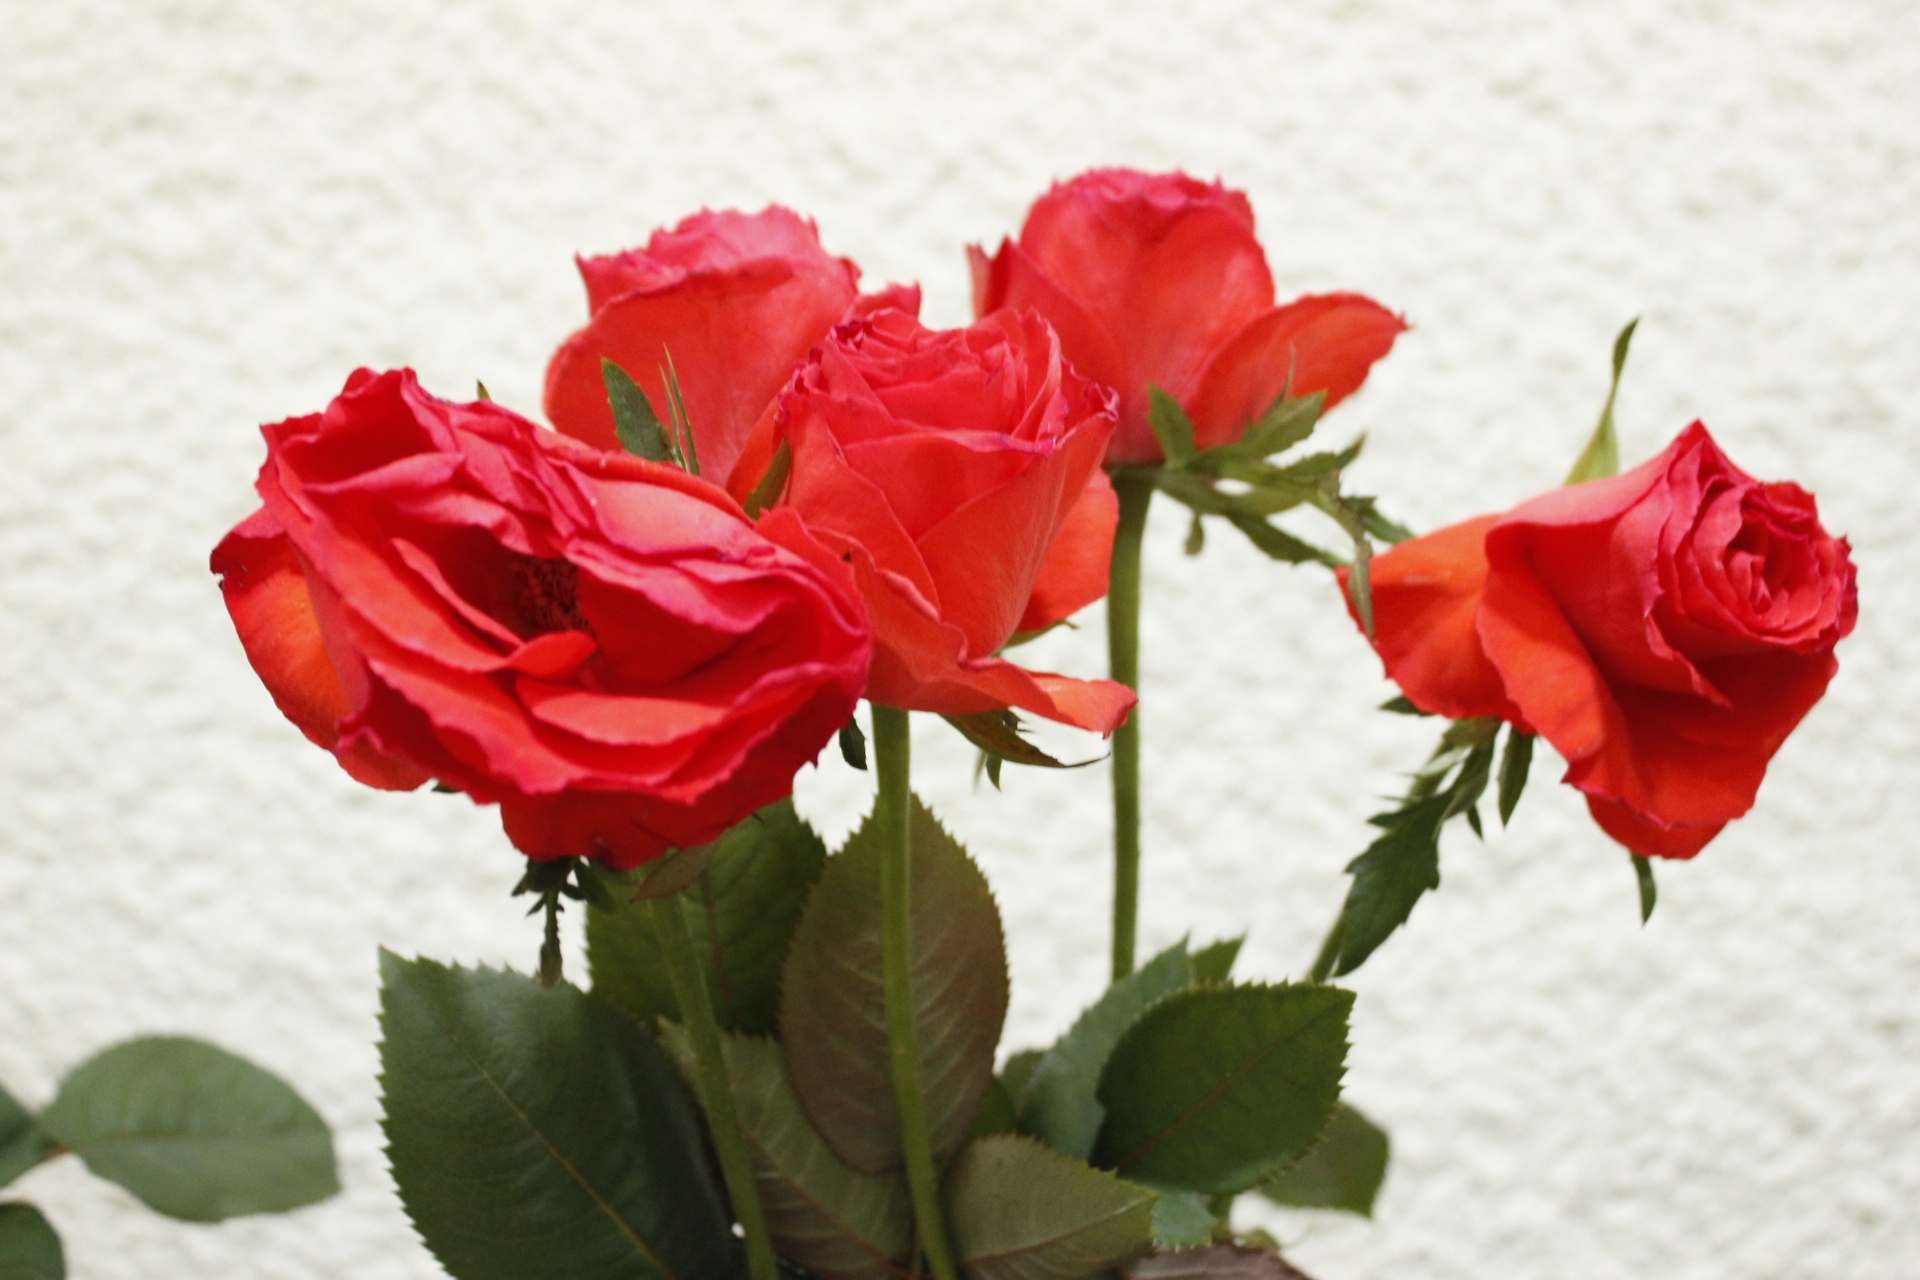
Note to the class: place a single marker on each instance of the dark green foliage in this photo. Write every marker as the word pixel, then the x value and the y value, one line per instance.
pixel 1213 963
pixel 29 1246
pixel 749 900
pixel 1019 1210
pixel 542 1133
pixel 22 1144
pixel 193 1131
pixel 833 1007
pixel 1186 1081
pixel 1343 1171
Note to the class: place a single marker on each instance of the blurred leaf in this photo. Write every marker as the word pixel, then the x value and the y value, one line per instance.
pixel 1649 892
pixel 1514 763
pixel 1182 1219
pixel 1343 1171
pixel 29 1246
pixel 1060 1105
pixel 749 900
pixel 833 1007
pixel 634 422
pixel 1171 426
pixel 834 1221
pixel 542 1133
pixel 22 1144
pixel 1196 536
pixel 1213 963
pixel 1017 1074
pixel 997 1113
pixel 1601 457
pixel 1215 1262
pixel 1216 1089
pixel 673 872
pixel 1021 1211
pixel 194 1131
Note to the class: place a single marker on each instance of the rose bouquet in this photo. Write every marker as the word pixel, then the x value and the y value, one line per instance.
pixel 766 496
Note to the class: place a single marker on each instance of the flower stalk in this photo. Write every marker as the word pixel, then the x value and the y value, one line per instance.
pixel 892 751
pixel 684 971
pixel 1135 491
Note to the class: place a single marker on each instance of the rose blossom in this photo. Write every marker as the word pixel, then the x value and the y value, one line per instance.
pixel 1664 629
pixel 949 467
pixel 605 647
pixel 1157 279
pixel 736 299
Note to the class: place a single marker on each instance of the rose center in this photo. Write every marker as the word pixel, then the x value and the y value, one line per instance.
pixel 542 596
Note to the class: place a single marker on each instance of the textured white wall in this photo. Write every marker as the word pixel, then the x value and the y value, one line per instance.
pixel 211 210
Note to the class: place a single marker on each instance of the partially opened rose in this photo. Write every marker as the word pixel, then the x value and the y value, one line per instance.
pixel 605 647
pixel 953 468
pixel 736 300
pixel 1664 629
pixel 1157 280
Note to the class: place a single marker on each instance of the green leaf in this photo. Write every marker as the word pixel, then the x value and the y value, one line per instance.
pixel 1649 892
pixel 833 1010
pixel 1388 879
pixel 1277 543
pixel 1343 1171
pixel 1171 426
pixel 543 1134
pixel 634 422
pixel 22 1144
pixel 1514 763
pixel 1061 1106
pixel 1182 1219
pixel 750 899
pixel 1018 1071
pixel 1216 1089
pixel 1020 1211
pixel 1601 457
pixel 674 872
pixel 193 1131
pixel 998 1113
pixel 29 1246
pixel 1213 963
pixel 1287 422
pixel 773 483
pixel 998 734
pixel 834 1221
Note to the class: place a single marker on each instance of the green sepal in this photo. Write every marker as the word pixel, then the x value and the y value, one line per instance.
pixel 1400 705
pixel 1515 761
pixel 750 898
pixel 1343 1171
pixel 833 1007
pixel 29 1246
pixel 1171 426
pixel 1217 1089
pixel 1019 1210
pixel 1649 892
pixel 767 492
pixel 1601 457
pixel 998 733
pixel 853 744
pixel 543 1133
pixel 635 424
pixel 195 1132
pixel 22 1143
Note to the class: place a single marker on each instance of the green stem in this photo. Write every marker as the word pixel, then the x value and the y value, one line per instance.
pixel 892 760
pixel 1135 490
pixel 684 970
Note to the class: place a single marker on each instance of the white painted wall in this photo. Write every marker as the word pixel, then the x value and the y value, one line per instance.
pixel 210 211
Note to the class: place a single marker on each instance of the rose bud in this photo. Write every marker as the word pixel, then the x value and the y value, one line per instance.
pixel 952 469
pixel 1157 280
pixel 1665 629
pixel 736 299
pixel 603 646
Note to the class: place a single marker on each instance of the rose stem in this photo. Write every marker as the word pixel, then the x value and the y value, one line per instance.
pixel 892 757
pixel 1135 490
pixel 729 1139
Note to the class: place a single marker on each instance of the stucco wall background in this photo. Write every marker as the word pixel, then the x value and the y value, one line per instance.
pixel 210 212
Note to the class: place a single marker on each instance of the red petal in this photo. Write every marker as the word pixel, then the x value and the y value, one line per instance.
pixel 1650 839
pixel 1327 342
pixel 1074 574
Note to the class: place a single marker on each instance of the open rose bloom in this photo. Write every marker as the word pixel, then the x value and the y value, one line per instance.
pixel 1157 280
pixel 1664 629
pixel 603 646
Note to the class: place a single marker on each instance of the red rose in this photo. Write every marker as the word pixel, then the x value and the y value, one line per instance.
pixel 951 467
pixel 603 646
pixel 1664 629
pixel 738 299
pixel 1156 279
